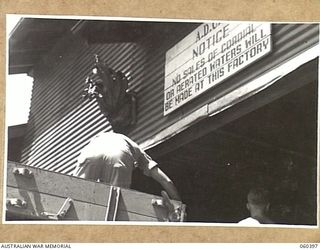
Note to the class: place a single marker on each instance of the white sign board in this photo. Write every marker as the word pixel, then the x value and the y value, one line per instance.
pixel 209 55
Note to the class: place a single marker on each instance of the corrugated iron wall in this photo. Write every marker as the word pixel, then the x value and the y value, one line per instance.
pixel 288 40
pixel 61 123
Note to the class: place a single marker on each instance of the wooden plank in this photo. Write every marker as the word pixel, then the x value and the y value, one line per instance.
pixel 265 81
pixel 128 216
pixel 47 191
pixel 39 202
pixel 141 204
pixel 57 184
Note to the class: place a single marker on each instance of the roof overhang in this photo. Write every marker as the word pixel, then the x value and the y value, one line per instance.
pixel 32 38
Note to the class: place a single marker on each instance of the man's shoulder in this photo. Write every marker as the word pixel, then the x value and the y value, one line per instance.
pixel 108 135
pixel 249 221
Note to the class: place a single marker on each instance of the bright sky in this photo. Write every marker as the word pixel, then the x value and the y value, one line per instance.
pixel 18 95
pixel 18 89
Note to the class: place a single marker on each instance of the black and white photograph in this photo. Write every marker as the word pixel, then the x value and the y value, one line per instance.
pixel 208 122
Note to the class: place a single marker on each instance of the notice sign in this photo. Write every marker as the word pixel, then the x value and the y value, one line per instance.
pixel 209 55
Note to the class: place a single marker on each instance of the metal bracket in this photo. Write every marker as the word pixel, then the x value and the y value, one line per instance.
pixel 61 213
pixel 176 213
pixel 15 202
pixel 113 203
pixel 22 171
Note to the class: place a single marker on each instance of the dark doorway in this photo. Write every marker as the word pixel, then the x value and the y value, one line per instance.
pixel 273 146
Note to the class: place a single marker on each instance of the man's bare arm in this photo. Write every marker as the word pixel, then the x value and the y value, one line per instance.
pixel 157 174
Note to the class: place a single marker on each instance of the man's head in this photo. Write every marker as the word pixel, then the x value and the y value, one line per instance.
pixel 258 201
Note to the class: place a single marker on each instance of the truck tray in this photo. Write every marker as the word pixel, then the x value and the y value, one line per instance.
pixel 37 194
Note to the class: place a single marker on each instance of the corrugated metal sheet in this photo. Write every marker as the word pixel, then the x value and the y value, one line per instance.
pixel 61 123
pixel 288 40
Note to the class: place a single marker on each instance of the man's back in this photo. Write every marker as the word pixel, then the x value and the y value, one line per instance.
pixel 111 158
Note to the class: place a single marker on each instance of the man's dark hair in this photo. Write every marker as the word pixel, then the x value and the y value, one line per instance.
pixel 258 196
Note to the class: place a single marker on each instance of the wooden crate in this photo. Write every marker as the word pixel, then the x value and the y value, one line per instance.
pixel 36 194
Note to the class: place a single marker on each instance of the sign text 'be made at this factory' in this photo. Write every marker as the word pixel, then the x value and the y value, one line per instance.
pixel 209 55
